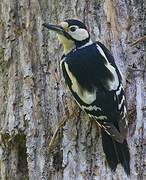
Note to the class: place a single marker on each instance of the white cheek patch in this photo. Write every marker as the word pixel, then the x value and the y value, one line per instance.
pixel 80 34
pixel 86 96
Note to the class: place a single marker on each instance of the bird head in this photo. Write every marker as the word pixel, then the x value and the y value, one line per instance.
pixel 71 33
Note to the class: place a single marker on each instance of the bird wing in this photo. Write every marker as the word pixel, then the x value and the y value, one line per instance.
pixel 96 84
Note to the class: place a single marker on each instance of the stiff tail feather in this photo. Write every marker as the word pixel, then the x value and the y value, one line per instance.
pixel 116 152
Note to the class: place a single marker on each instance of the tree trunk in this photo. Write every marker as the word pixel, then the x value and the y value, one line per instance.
pixel 34 98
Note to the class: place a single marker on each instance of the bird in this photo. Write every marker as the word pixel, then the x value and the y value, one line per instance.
pixel 96 83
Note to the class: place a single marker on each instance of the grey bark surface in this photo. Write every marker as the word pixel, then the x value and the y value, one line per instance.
pixel 34 98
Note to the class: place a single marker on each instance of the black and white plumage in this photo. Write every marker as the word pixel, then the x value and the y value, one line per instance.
pixel 93 78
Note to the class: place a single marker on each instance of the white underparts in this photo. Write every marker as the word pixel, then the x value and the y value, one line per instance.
pixel 86 96
pixel 113 85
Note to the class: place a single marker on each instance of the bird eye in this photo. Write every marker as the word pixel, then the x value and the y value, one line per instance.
pixel 73 28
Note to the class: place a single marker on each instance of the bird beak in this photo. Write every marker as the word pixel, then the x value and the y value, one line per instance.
pixel 56 28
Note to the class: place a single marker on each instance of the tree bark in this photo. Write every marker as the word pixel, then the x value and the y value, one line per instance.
pixel 34 98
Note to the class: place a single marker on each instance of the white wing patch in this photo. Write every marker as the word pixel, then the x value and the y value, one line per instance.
pixel 101 117
pixel 86 96
pixel 91 108
pixel 113 85
pixel 98 117
pixel 124 114
pixel 122 101
pixel 119 90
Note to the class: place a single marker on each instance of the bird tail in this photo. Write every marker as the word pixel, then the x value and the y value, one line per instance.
pixel 116 152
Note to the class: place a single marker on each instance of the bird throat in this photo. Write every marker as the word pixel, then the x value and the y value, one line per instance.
pixel 67 43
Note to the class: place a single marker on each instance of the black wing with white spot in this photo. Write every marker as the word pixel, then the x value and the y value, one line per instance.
pixel 96 85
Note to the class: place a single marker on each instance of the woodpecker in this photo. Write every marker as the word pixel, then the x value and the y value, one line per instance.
pixel 93 78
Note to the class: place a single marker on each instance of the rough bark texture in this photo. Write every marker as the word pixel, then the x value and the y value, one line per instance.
pixel 34 99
